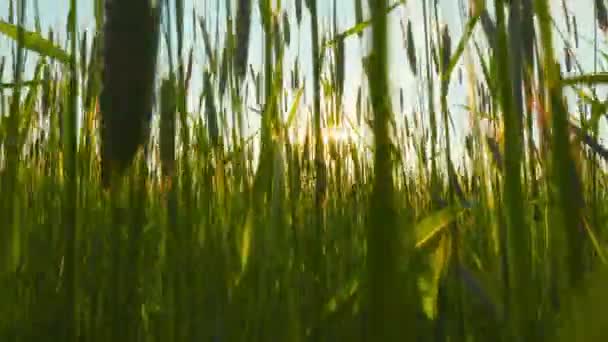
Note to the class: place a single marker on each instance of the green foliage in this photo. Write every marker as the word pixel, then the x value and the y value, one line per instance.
pixel 307 229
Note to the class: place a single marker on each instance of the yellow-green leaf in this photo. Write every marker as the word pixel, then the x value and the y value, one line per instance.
pixel 246 240
pixel 430 228
pixel 429 282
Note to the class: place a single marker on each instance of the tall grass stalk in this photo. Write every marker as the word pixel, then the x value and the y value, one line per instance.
pixel 385 295
pixel 71 190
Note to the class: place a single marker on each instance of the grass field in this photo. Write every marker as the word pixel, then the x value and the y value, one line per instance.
pixel 323 225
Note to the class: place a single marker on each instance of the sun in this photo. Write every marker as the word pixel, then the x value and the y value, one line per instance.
pixel 338 135
pixel 335 134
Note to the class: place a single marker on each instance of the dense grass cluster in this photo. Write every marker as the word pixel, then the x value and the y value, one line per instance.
pixel 216 235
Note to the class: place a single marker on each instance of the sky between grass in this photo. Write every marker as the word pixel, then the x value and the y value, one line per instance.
pixel 54 13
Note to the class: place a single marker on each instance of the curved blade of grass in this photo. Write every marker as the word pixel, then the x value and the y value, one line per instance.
pixel 429 282
pixel 33 41
pixel 358 28
pixel 429 229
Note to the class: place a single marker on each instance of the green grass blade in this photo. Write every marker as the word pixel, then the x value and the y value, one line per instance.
pixel 33 41
pixel 587 79
pixel 358 28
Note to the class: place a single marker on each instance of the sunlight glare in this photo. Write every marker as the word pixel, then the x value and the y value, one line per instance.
pixel 340 135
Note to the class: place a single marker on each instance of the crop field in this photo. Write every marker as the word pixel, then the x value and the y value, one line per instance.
pixel 258 170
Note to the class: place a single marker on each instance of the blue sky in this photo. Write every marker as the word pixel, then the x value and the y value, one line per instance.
pixel 54 12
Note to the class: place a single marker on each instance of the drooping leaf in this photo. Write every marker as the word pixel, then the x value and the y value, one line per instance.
pixel 33 41
pixel 429 229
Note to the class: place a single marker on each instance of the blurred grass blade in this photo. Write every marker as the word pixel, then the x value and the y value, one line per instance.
pixel 33 41
pixel 480 289
pixel 246 240
pixel 22 84
pixel 243 27
pixel 601 251
pixel 346 295
pixel 411 49
pixel 359 14
pixel 591 142
pixel 588 79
